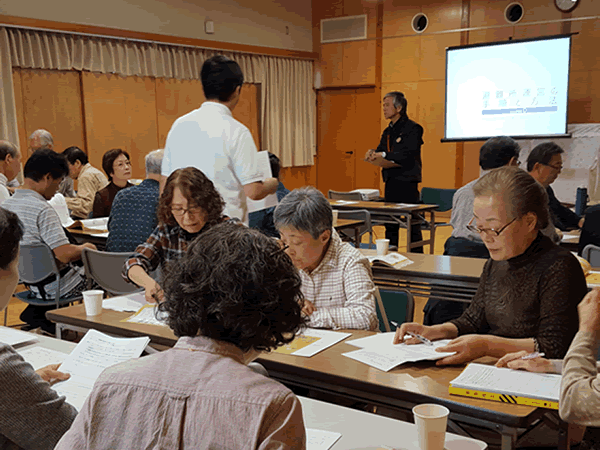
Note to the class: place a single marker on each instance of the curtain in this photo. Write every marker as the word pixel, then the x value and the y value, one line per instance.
pixel 288 99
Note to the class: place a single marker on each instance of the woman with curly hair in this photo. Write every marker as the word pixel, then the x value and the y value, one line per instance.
pixel 189 205
pixel 234 294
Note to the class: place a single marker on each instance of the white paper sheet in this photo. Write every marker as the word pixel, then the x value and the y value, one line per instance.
pixel 147 316
pixel 93 354
pixel 543 386
pixel 14 337
pixel 264 167
pixel 394 259
pixel 320 439
pixel 100 223
pixel 40 357
pixel 326 338
pixel 387 356
pixel 344 202
pixel 126 303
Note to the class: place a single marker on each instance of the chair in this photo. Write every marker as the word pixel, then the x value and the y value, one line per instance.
pixel 357 214
pixel 336 195
pixel 36 263
pixel 441 197
pixel 396 305
pixel 591 253
pixel 105 269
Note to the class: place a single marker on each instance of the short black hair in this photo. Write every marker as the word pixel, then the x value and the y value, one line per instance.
pixel 543 153
pixel 11 233
pixel 275 165
pixel 234 284
pixel 75 153
pixel 497 152
pixel 220 78
pixel 108 160
pixel 45 161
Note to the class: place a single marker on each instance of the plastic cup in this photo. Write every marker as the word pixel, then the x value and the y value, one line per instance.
pixel 93 302
pixel 431 421
pixel 335 217
pixel 383 246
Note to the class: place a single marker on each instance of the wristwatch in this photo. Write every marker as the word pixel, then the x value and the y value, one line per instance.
pixel 383 154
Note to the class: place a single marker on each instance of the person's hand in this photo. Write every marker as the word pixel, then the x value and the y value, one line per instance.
pixel 581 222
pixel 308 307
pixel 51 374
pixel 89 245
pixel 514 361
pixel 467 348
pixel 369 155
pixel 154 291
pixel 559 234
pixel 415 328
pixel 271 185
pixel 589 312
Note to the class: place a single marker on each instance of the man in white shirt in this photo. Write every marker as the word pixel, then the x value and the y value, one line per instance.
pixel 210 139
pixel 10 166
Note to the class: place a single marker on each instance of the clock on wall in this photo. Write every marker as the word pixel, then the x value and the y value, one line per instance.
pixel 566 5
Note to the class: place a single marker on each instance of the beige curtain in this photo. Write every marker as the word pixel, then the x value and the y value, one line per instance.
pixel 288 97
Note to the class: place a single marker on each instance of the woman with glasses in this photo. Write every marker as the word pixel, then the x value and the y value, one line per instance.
pixel 529 289
pixel 117 166
pixel 189 205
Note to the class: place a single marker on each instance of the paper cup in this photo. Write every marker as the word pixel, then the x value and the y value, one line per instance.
pixel 431 421
pixel 335 217
pixel 383 246
pixel 93 302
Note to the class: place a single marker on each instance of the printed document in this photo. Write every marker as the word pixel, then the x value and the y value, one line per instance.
pixel 311 342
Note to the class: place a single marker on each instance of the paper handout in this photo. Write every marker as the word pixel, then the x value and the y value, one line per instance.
pixel 311 342
pixel 40 357
pixel 99 225
pixel 130 302
pixel 93 354
pixel 320 439
pixel 146 315
pixel 392 259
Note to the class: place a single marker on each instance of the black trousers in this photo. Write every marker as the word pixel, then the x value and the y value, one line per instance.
pixel 398 191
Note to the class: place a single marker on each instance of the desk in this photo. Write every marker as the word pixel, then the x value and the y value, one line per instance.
pixel 570 240
pixel 83 236
pixel 329 371
pixel 395 213
pixel 343 224
pixel 434 276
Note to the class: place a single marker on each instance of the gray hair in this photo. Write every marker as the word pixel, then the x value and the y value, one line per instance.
pixel 7 148
pixel 521 193
pixel 154 161
pixel 41 139
pixel 399 100
pixel 304 209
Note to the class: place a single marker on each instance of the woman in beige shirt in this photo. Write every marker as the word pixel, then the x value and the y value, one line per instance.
pixel 234 294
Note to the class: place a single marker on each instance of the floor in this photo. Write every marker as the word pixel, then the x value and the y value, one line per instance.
pixel 15 306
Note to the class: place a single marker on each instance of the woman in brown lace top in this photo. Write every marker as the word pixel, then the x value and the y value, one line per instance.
pixel 529 289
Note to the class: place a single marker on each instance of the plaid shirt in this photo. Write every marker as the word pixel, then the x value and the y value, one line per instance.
pixel 342 289
pixel 166 243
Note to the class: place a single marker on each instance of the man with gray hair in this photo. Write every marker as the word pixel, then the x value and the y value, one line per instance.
pixel 336 278
pixel 10 166
pixel 133 214
pixel 399 156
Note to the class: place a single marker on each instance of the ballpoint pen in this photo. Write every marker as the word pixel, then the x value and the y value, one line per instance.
pixel 424 340
pixel 533 355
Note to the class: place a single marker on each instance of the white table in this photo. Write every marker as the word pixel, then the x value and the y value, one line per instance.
pixel 366 431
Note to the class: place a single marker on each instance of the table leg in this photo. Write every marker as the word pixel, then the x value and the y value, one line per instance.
pixel 408 232
pixel 356 237
pixel 509 439
pixel 432 235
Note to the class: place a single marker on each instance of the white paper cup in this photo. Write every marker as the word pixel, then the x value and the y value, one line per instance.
pixel 335 217
pixel 431 421
pixel 383 246
pixel 93 302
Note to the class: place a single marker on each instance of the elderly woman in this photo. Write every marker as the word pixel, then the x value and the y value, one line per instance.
pixel 32 415
pixel 188 206
pixel 117 167
pixel 529 289
pixel 336 278
pixel 234 294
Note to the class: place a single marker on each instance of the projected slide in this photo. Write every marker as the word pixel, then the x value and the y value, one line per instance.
pixel 513 89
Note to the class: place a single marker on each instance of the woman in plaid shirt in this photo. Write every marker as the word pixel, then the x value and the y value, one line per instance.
pixel 189 205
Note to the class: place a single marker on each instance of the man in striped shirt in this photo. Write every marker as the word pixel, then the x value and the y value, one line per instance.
pixel 43 173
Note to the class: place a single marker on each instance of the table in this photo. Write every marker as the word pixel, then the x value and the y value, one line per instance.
pixel 343 224
pixel 329 371
pixel 358 428
pixel 570 240
pixel 396 213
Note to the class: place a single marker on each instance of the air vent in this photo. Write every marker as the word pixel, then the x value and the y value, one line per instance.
pixel 513 12
pixel 350 28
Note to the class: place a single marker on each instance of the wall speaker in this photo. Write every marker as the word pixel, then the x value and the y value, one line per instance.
pixel 349 28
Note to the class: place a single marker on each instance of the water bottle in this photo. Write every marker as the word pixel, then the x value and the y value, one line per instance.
pixel 581 201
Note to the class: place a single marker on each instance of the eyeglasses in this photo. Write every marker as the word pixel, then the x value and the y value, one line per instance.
pixel 557 168
pixel 488 231
pixel 180 212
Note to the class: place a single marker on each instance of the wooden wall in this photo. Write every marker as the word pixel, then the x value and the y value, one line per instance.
pixel 415 63
pixel 97 112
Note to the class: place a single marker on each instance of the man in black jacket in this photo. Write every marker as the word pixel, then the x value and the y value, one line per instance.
pixel 545 164
pixel 399 156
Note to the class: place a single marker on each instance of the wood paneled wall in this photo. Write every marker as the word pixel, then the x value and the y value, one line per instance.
pixel 97 112
pixel 415 63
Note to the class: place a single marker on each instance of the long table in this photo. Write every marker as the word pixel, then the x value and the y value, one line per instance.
pixel 401 214
pixel 358 428
pixel 330 372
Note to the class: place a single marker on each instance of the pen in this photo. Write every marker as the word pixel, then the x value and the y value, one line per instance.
pixel 395 324
pixel 424 340
pixel 533 355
